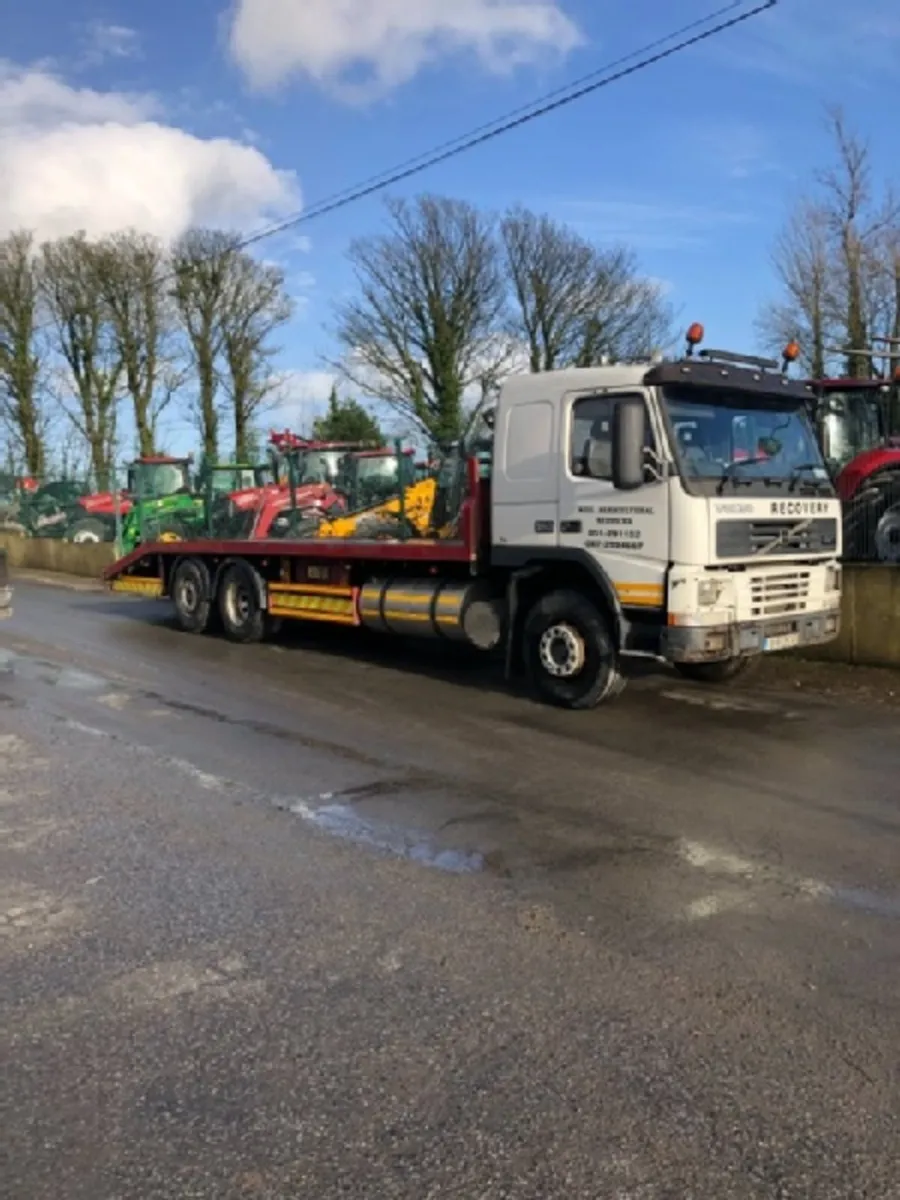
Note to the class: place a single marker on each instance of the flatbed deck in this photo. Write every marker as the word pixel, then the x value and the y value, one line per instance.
pixel 418 550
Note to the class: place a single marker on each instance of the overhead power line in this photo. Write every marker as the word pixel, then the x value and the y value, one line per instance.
pixel 646 56
pixel 716 22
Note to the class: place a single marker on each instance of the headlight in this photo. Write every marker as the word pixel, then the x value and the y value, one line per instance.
pixel 708 592
pixel 833 578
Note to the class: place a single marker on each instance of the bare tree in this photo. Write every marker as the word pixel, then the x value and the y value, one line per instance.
pixel 803 263
pixel 20 359
pixel 857 222
pixel 834 262
pixel 70 280
pixel 423 329
pixel 142 319
pixel 575 303
pixel 254 305
pixel 202 260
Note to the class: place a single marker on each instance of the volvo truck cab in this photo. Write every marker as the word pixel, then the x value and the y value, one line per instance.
pixel 692 494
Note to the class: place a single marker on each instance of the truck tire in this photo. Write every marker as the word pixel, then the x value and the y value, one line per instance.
pixel 724 671
pixel 570 652
pixel 191 595
pixel 240 605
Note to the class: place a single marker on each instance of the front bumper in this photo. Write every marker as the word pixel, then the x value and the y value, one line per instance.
pixel 716 643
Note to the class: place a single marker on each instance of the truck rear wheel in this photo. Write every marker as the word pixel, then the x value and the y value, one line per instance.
pixel 723 671
pixel 570 652
pixel 240 604
pixel 191 595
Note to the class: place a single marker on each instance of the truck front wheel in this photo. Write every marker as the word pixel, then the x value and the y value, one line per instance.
pixel 240 604
pixel 570 652
pixel 190 591
pixel 723 671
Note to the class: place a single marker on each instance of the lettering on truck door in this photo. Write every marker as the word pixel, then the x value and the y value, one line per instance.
pixel 626 532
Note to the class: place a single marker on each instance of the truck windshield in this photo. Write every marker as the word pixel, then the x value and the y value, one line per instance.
pixel 728 438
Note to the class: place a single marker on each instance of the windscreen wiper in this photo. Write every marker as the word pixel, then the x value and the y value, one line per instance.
pixel 800 470
pixel 729 468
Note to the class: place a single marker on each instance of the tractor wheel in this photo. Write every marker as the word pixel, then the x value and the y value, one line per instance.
pixel 240 604
pixel 87 531
pixel 570 652
pixel 191 594
pixel 887 532
pixel 872 522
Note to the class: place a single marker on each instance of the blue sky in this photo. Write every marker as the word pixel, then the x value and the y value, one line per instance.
pixel 693 162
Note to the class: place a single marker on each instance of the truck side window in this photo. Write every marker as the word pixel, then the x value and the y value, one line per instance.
pixel 592 419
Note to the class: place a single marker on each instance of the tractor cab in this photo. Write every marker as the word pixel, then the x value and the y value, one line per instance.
pixel 370 477
pixel 855 421
pixel 152 478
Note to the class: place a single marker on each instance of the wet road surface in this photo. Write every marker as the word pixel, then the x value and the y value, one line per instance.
pixel 275 922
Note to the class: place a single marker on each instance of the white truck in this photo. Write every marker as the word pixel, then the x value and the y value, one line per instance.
pixel 674 509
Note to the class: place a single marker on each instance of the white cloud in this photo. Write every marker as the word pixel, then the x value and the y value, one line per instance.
pixel 363 48
pixel 643 225
pixel 105 40
pixel 301 397
pixel 80 159
pixel 811 41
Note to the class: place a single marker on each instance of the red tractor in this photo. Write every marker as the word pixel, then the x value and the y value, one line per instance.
pixel 854 421
pixel 302 477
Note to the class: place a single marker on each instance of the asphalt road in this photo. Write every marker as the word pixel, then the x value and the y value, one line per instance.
pixel 280 923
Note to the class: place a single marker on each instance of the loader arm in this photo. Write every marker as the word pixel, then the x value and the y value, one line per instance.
pixel 415 503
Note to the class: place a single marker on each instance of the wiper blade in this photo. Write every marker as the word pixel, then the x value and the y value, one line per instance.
pixel 729 468
pixel 800 470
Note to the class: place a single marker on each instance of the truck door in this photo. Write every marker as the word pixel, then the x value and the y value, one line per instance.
pixel 627 533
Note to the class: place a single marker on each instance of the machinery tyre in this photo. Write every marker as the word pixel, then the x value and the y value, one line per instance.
pixel 240 607
pixel 724 671
pixel 872 522
pixel 887 531
pixel 88 531
pixel 191 595
pixel 570 652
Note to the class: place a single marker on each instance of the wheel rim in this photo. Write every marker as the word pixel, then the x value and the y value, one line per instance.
pixel 887 536
pixel 85 535
pixel 561 651
pixel 189 595
pixel 240 605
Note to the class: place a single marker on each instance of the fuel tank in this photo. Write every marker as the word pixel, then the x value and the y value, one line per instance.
pixel 455 611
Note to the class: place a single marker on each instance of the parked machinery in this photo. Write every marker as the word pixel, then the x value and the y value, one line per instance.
pixel 856 422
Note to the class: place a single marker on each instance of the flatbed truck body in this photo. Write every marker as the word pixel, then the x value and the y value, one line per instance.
pixel 676 510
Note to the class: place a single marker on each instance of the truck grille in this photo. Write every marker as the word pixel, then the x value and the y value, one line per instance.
pixel 777 595
pixel 741 539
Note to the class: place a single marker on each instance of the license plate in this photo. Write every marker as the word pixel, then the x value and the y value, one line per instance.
pixel 782 641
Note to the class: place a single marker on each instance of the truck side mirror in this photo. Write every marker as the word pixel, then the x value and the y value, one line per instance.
pixel 629 435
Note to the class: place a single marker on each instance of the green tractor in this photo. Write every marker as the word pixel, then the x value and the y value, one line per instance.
pixel 168 503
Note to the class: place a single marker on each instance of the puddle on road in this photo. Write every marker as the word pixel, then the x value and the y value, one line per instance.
pixel 39 670
pixel 341 820
pixel 864 901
